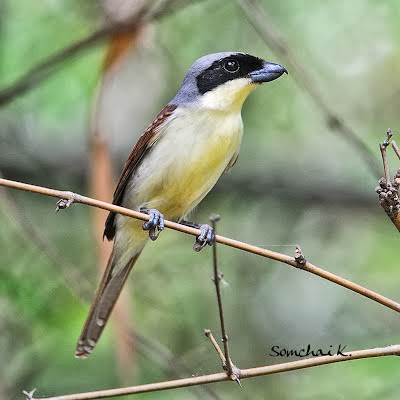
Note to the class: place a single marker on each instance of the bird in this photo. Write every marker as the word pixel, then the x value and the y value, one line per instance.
pixel 179 158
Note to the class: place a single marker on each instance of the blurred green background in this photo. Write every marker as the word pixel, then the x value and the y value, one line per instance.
pixel 296 181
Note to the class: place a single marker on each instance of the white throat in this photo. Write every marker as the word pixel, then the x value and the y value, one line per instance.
pixel 228 97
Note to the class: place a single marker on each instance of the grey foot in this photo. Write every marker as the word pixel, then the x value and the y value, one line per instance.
pixel 207 236
pixel 155 224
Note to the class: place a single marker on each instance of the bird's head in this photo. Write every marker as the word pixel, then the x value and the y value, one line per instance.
pixel 222 81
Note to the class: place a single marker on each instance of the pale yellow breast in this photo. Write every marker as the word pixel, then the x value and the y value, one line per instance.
pixel 184 165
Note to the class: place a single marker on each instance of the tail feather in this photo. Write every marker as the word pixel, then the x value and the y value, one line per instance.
pixel 106 296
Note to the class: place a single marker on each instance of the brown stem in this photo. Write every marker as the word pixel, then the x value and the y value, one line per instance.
pixel 217 279
pixel 220 239
pixel 396 149
pixel 219 377
pixel 221 355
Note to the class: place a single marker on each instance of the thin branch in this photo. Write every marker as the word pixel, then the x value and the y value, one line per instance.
pixel 219 377
pixel 383 148
pixel 396 149
pixel 327 193
pixel 80 287
pixel 215 344
pixel 271 35
pixel 74 197
pixel 171 363
pixel 388 191
pixel 217 280
pixel 74 280
pixel 227 365
pixel 43 70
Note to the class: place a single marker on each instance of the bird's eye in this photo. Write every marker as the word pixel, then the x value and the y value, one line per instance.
pixel 231 65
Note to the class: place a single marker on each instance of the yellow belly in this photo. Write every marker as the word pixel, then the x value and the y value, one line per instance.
pixel 184 165
pixel 186 185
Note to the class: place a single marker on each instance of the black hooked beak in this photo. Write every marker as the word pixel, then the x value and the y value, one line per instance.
pixel 268 73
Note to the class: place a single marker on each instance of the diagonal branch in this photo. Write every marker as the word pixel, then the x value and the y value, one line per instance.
pixel 219 377
pixel 70 197
pixel 43 70
pixel 270 34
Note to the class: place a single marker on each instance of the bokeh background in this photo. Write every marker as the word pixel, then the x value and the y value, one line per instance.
pixel 300 178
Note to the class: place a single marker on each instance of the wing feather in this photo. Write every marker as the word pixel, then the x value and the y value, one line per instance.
pixel 146 140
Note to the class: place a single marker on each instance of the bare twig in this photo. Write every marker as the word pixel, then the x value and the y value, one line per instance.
pixel 271 35
pixel 219 377
pixel 75 281
pixel 227 365
pixel 220 353
pixel 217 279
pixel 387 190
pixel 396 149
pixel 171 363
pixel 43 70
pixel 80 287
pixel 383 148
pixel 220 239
pixel 389 135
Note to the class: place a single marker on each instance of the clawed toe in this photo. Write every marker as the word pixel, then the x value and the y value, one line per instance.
pixel 155 224
pixel 207 236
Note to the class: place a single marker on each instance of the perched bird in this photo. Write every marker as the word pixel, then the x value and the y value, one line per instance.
pixel 174 164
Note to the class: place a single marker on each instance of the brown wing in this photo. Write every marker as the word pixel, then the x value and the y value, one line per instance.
pixel 143 144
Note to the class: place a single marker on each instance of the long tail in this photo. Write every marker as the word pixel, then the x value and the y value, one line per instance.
pixel 107 295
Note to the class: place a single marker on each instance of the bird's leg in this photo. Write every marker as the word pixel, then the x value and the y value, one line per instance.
pixel 207 235
pixel 155 224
